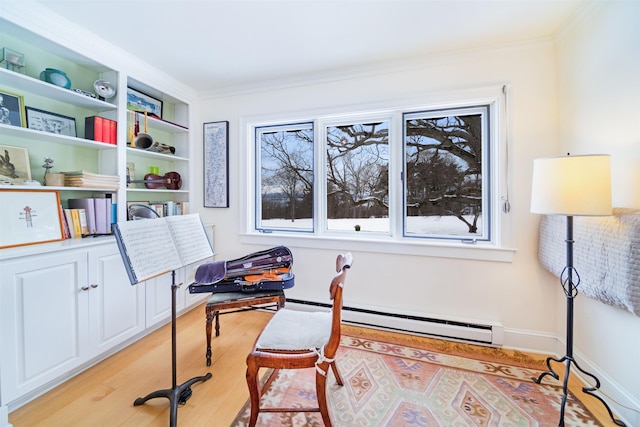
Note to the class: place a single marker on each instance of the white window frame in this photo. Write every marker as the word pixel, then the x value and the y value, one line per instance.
pixel 499 248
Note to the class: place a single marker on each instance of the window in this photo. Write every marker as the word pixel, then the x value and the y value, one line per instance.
pixel 357 176
pixel 404 176
pixel 284 170
pixel 446 190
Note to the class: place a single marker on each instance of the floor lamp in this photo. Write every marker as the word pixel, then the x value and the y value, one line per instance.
pixel 572 186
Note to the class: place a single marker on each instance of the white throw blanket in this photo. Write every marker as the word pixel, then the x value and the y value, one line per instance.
pixel 606 255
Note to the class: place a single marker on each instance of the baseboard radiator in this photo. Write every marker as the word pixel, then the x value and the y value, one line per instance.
pixel 485 333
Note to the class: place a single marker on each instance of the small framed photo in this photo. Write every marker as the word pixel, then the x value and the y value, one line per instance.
pixel 216 164
pixel 46 121
pixel 28 217
pixel 12 109
pixel 138 101
pixel 14 164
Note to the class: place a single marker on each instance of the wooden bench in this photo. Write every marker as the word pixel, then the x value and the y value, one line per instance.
pixel 237 301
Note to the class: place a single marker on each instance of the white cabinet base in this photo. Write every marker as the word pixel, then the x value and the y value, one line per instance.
pixel 64 311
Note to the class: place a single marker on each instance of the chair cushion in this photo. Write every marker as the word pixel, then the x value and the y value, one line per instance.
pixel 296 330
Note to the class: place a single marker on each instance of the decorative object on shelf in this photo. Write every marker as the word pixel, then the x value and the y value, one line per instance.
pixel 104 89
pixel 158 147
pixel 131 173
pixel 55 77
pixel 170 180
pixel 216 164
pixel 12 60
pixel 46 121
pixel 142 140
pixel 141 102
pixel 14 164
pixel 85 93
pixel 48 164
pixel 154 170
pixel 28 217
pixel 52 179
pixel 12 109
pixel 572 186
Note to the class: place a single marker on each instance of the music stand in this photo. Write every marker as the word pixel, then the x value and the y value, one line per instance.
pixel 182 240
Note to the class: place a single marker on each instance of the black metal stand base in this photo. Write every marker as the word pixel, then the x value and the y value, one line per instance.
pixel 177 394
pixel 568 361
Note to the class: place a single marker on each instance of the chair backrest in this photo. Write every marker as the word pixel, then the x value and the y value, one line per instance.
pixel 343 263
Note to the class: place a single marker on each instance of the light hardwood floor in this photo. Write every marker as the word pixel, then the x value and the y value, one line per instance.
pixel 104 394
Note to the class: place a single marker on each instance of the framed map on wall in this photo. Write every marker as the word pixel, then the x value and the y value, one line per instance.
pixel 216 164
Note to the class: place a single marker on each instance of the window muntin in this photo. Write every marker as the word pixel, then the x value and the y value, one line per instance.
pixel 357 177
pixel 446 184
pixel 284 177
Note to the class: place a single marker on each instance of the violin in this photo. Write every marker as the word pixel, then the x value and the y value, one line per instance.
pixel 170 180
pixel 270 275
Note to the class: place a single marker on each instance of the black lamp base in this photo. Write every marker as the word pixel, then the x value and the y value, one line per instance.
pixel 570 288
pixel 568 361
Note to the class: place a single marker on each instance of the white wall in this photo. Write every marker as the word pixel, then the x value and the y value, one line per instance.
pixel 516 293
pixel 599 112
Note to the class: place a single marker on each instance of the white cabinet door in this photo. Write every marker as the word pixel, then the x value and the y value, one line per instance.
pixel 158 299
pixel 43 328
pixel 116 307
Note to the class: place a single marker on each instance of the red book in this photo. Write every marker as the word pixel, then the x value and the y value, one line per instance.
pixel 93 128
pixel 106 130
pixel 113 132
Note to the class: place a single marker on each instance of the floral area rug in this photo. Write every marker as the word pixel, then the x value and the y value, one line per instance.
pixel 395 384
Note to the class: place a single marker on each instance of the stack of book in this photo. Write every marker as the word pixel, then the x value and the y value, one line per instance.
pixel 89 216
pixel 100 129
pixel 91 180
pixel 169 208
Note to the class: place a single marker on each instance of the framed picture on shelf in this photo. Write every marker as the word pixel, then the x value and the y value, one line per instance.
pixel 139 101
pixel 28 217
pixel 216 164
pixel 14 164
pixel 11 109
pixel 47 121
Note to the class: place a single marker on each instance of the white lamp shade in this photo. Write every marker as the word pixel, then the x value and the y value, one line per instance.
pixel 572 185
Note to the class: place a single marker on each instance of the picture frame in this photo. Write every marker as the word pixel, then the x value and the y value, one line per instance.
pixel 216 164
pixel 14 164
pixel 12 109
pixel 140 101
pixel 28 217
pixel 46 121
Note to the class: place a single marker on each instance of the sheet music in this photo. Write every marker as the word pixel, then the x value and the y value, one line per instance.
pixel 190 238
pixel 151 247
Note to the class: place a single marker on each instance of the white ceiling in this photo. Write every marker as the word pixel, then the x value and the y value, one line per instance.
pixel 217 46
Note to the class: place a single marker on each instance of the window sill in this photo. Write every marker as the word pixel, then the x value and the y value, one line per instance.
pixel 477 251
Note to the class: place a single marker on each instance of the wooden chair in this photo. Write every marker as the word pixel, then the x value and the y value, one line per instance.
pixel 296 340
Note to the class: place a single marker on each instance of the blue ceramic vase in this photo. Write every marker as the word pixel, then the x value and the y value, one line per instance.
pixel 55 77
